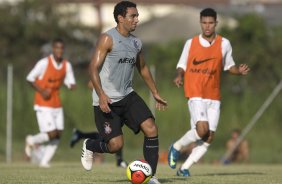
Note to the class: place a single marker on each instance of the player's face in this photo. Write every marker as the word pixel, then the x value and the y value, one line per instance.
pixel 130 20
pixel 208 25
pixel 234 135
pixel 58 50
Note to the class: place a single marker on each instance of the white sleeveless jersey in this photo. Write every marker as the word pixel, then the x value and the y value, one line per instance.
pixel 117 71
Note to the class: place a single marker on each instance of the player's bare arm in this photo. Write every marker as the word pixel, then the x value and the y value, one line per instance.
pixel 242 69
pixel 103 46
pixel 90 85
pixel 45 93
pixel 147 76
pixel 178 81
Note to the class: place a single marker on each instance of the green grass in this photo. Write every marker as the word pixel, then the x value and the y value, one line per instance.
pixel 72 172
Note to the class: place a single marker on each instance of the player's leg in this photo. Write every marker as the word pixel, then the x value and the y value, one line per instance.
pixel 174 150
pixel 119 159
pixel 198 117
pixel 46 124
pixel 151 143
pixel 49 152
pixel 213 112
pixel 151 147
pixel 77 135
pixel 109 127
pixel 54 136
pixel 196 154
pixel 90 146
pixel 139 117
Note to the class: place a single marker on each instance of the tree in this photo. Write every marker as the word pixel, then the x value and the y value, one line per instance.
pixel 29 25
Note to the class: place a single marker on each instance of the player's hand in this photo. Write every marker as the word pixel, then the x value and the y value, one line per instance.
pixel 104 102
pixel 178 81
pixel 161 104
pixel 46 93
pixel 244 69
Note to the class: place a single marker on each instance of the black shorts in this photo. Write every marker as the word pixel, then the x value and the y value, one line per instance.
pixel 131 111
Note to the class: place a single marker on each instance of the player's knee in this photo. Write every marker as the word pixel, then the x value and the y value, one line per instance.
pixel 115 146
pixel 203 129
pixel 203 133
pixel 209 137
pixel 150 130
pixel 55 134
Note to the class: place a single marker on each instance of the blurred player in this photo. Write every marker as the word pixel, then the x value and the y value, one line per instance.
pixel 200 65
pixel 77 135
pixel 241 153
pixel 115 102
pixel 46 78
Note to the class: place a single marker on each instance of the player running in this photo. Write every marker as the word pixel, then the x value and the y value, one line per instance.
pixel 201 63
pixel 46 78
pixel 115 102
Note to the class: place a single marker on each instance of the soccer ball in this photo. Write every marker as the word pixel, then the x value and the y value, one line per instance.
pixel 139 172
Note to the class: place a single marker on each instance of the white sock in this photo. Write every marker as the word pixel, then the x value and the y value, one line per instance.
pixel 197 153
pixel 186 139
pixel 37 154
pixel 50 150
pixel 39 138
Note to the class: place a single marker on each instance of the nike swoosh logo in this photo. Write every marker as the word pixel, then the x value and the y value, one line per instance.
pixel 195 62
pixel 171 160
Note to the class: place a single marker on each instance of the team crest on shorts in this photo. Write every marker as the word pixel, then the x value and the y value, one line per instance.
pixel 107 128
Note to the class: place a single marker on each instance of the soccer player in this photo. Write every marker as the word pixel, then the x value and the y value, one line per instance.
pixel 115 102
pixel 201 63
pixel 46 78
pixel 77 135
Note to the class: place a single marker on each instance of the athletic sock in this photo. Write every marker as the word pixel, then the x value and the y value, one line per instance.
pixel 119 158
pixel 97 146
pixel 90 135
pixel 151 151
pixel 188 138
pixel 197 153
pixel 39 138
pixel 49 152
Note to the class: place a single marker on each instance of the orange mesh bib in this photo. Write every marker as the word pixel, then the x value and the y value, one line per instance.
pixel 204 66
pixel 52 79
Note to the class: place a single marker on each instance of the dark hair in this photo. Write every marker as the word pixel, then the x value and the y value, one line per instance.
pixel 58 40
pixel 121 9
pixel 208 12
pixel 238 131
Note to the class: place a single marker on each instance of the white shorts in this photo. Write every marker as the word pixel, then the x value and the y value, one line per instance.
pixel 204 110
pixel 50 119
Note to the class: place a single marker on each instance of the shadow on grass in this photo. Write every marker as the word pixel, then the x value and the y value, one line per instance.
pixel 174 179
pixel 166 180
pixel 231 174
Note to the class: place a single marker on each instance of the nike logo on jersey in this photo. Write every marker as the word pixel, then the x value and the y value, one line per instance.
pixel 195 62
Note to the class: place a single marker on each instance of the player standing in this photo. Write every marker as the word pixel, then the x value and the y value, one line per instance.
pixel 46 78
pixel 115 102
pixel 201 63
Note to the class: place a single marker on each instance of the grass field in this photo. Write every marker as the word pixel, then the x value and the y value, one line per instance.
pixel 66 173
